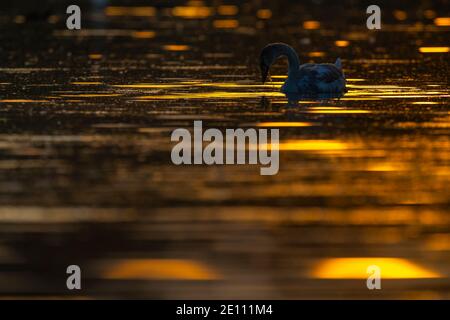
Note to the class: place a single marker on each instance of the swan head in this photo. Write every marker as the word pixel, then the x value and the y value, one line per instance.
pixel 264 71
pixel 271 53
pixel 266 59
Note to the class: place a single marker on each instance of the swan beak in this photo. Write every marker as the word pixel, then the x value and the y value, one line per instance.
pixel 264 72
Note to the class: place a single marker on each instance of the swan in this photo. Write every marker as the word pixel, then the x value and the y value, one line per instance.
pixel 305 79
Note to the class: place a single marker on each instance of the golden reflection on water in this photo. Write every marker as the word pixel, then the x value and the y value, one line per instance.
pixel 264 13
pixel 158 269
pixel 130 11
pixel 210 95
pixel 429 14
pixel 311 25
pixel 173 94
pixel 226 24
pixel 315 145
pixel 285 124
pixel 90 95
pixel 86 83
pixel 393 216
pixel 316 54
pixel 400 15
pixel 342 43
pixel 391 92
pixel 106 33
pixel 175 47
pixel 441 122
pixel 245 89
pixel 442 21
pixel 438 242
pixel 22 101
pixel 386 167
pixel 143 34
pixel 356 268
pixel 425 102
pixel 38 215
pixel 335 110
pixel 95 56
pixel 227 10
pixel 434 49
pixel 53 19
pixel 194 12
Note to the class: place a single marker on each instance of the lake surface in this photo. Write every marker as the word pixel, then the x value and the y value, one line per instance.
pixel 86 176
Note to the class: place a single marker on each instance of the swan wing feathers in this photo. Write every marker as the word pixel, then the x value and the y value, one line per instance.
pixel 320 72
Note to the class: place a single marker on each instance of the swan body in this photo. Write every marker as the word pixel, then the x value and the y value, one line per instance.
pixel 308 78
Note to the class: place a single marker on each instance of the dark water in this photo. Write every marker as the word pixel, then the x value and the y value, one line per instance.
pixel 86 176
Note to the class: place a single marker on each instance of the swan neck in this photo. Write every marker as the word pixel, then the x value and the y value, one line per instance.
pixel 293 60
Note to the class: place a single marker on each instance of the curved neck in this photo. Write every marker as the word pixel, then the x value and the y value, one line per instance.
pixel 282 49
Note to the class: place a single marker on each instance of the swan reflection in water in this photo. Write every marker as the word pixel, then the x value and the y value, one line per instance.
pixel 293 99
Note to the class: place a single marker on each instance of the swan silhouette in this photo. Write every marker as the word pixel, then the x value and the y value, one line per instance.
pixel 305 79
